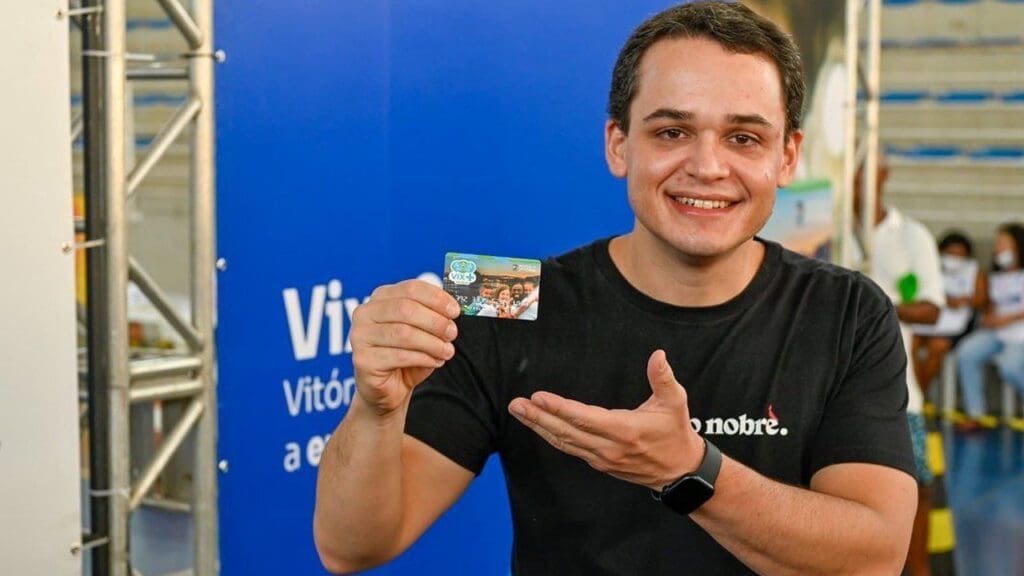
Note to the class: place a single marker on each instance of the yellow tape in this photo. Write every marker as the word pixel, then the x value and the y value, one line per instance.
pixel 940 531
pixel 936 457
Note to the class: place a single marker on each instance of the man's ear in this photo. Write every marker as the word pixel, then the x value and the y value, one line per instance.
pixel 790 157
pixel 615 149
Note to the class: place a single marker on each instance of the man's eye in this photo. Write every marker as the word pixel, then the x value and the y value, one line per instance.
pixel 744 139
pixel 671 133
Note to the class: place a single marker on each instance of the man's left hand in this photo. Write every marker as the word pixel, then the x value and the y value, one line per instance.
pixel 653 445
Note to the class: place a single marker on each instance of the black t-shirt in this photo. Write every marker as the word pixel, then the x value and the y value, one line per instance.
pixel 803 369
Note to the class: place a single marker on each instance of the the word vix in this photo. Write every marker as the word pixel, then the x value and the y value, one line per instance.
pixel 305 327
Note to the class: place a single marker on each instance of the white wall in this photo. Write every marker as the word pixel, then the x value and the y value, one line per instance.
pixel 39 459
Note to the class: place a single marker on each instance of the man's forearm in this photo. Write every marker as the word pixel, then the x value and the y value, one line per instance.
pixel 778 529
pixel 359 486
pixel 918 313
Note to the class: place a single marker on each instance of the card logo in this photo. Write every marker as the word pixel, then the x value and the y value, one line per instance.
pixel 463 272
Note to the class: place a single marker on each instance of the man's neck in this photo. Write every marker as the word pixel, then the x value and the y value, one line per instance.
pixel 667 275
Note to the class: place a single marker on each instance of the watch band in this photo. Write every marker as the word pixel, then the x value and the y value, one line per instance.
pixel 694 489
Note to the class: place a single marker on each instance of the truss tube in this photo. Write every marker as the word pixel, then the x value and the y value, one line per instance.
pixel 157 74
pixel 186 25
pixel 204 252
pixel 76 127
pixel 156 296
pixel 94 173
pixel 845 188
pixel 872 90
pixel 166 450
pixel 167 391
pixel 155 368
pixel 167 135
pixel 116 248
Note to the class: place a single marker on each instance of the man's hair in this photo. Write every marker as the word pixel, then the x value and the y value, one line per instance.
pixel 732 25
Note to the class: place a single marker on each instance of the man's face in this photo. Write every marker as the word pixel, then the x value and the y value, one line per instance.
pixel 486 292
pixel 706 148
pixel 517 292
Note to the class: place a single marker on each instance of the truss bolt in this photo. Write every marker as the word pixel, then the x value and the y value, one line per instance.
pixel 65 247
pixel 60 14
pixel 223 466
pixel 222 264
pixel 220 56
pixel 75 549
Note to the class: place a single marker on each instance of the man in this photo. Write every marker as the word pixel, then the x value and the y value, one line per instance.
pixel 905 264
pixel 758 394
pixel 528 307
pixel 517 293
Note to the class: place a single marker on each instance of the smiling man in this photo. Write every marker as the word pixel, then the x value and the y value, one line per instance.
pixel 758 396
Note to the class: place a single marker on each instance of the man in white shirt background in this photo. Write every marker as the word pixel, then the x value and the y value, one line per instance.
pixel 905 264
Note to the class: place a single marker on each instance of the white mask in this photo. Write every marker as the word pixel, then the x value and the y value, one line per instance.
pixel 952 263
pixel 1005 259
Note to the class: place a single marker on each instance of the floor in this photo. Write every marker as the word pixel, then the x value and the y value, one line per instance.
pixel 985 484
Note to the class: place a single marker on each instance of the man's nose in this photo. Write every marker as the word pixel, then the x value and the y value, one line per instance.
pixel 705 162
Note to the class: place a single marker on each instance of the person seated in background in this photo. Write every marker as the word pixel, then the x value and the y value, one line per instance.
pixel 1000 337
pixel 905 265
pixel 966 290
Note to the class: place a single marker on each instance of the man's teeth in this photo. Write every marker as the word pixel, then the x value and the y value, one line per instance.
pixel 705 204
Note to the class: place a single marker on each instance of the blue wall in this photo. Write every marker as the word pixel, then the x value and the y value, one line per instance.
pixel 359 141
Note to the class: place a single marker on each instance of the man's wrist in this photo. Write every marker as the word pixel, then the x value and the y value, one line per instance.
pixel 695 452
pixel 364 413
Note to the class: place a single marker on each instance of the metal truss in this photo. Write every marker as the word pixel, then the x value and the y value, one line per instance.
pixel 114 381
pixel 863 74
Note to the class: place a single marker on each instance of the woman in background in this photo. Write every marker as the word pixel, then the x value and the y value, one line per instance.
pixel 965 286
pixel 1000 337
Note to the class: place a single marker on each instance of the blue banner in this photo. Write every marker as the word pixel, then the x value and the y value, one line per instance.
pixel 358 142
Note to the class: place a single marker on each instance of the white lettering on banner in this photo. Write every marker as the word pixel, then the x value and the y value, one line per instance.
pixel 309 394
pixel 740 426
pixel 314 451
pixel 325 300
pixel 305 333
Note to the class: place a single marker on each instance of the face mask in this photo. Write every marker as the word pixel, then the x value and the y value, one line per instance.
pixel 952 263
pixel 1005 259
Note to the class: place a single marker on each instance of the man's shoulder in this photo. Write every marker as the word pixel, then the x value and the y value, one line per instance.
pixel 918 231
pixel 827 280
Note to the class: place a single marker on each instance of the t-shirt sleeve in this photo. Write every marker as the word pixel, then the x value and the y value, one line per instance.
pixel 865 417
pixel 454 411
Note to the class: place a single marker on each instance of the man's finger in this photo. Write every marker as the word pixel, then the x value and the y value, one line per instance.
pixel 408 337
pixel 382 360
pixel 414 313
pixel 592 419
pixel 659 374
pixel 557 431
pixel 427 294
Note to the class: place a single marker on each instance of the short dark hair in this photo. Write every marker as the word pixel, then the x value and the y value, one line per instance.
pixel 956 238
pixel 734 26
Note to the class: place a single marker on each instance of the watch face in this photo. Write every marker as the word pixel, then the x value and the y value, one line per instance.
pixel 688 494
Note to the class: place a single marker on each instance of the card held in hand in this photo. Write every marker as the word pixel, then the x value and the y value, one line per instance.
pixel 493 286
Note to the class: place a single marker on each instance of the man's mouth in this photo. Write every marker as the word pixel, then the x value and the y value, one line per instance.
pixel 702 204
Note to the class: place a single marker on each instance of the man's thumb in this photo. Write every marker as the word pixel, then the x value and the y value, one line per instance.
pixel 660 375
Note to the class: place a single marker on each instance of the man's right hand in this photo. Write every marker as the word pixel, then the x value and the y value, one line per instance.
pixel 399 338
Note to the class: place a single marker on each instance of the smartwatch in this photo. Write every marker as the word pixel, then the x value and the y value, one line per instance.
pixel 694 489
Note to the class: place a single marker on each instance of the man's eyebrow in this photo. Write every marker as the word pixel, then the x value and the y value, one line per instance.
pixel 749 119
pixel 685 116
pixel 669 114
